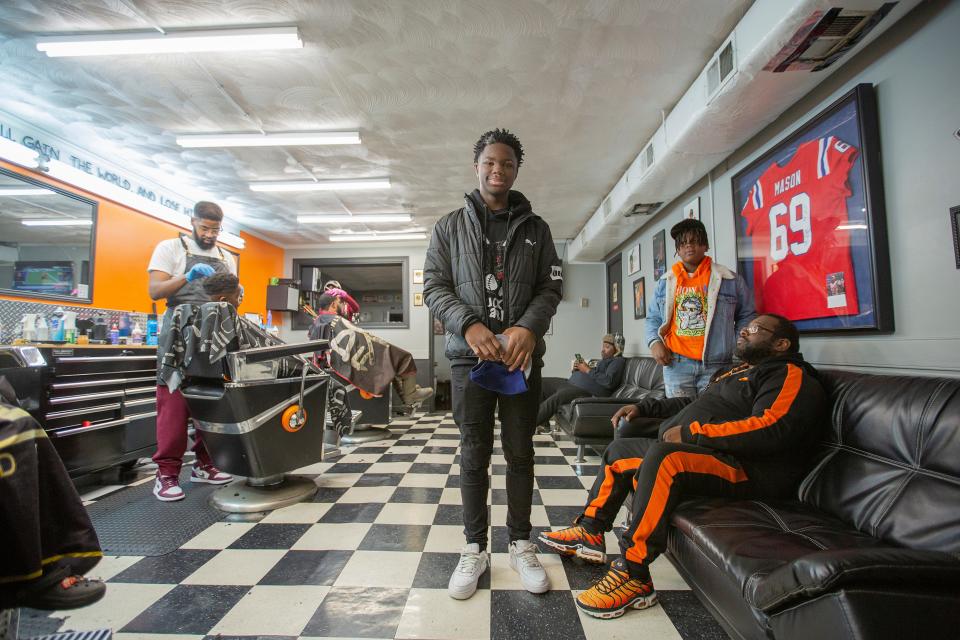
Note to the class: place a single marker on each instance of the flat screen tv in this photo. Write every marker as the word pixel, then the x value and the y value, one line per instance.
pixel 44 277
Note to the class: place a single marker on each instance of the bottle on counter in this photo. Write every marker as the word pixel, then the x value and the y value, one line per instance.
pixel 43 330
pixel 269 320
pixel 114 334
pixel 56 325
pixel 29 327
pixel 137 334
pixel 152 329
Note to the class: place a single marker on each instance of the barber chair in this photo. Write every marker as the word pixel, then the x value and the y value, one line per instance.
pixel 259 425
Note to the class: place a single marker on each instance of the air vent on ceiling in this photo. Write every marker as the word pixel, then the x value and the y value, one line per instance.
pixel 720 68
pixel 647 158
pixel 642 209
pixel 605 206
pixel 825 37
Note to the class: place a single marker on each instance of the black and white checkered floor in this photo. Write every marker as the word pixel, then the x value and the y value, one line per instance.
pixel 370 558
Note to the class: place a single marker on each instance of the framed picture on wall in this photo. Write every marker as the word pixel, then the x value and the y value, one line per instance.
pixel 811 228
pixel 418 276
pixel 639 299
pixel 633 260
pixel 418 299
pixel 691 210
pixel 659 254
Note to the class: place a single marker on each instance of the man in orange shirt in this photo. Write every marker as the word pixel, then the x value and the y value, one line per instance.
pixel 695 314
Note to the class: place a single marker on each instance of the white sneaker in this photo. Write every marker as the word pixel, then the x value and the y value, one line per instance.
pixel 473 562
pixel 523 560
pixel 167 488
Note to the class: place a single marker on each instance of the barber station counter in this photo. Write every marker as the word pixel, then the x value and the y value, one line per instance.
pixel 96 402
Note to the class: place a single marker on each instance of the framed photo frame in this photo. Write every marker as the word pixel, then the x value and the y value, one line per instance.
pixel 639 299
pixel 691 210
pixel 418 276
pixel 633 259
pixel 418 299
pixel 811 224
pixel 659 254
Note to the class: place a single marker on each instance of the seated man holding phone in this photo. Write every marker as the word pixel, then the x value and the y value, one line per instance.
pixel 598 379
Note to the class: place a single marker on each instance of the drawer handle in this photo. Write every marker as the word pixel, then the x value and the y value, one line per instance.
pixel 77 412
pixel 94 427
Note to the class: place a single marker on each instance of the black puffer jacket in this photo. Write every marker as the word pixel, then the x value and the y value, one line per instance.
pixel 454 271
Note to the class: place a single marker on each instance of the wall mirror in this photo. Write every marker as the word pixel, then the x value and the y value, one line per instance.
pixel 46 241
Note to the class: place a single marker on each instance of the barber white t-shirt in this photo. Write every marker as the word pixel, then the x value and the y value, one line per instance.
pixel 170 257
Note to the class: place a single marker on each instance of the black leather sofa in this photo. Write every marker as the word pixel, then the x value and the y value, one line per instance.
pixel 870 549
pixel 587 420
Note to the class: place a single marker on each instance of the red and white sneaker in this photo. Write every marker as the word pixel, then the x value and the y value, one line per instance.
pixel 209 474
pixel 167 488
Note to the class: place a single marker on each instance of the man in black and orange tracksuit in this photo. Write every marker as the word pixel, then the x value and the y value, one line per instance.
pixel 749 434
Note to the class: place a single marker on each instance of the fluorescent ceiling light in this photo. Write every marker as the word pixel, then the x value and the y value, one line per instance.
pixel 25 191
pixel 851 226
pixel 305 138
pixel 322 185
pixel 149 42
pixel 376 237
pixel 57 223
pixel 18 154
pixel 341 218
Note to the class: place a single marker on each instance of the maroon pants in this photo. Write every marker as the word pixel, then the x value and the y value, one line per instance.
pixel 172 416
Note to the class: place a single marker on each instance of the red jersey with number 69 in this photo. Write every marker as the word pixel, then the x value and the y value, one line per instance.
pixel 796 216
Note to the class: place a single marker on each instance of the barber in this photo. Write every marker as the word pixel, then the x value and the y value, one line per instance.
pixel 177 269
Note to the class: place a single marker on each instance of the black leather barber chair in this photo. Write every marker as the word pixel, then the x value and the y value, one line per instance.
pixel 258 424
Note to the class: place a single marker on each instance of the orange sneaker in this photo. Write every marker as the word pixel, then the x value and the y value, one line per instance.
pixel 615 593
pixel 576 541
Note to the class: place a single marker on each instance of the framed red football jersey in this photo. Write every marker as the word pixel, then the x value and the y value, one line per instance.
pixel 796 218
pixel 810 222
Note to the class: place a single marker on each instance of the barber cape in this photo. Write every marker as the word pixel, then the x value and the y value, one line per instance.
pixel 367 362
pixel 45 532
pixel 213 328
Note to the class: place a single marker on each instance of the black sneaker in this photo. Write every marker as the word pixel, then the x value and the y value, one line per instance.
pixel 72 592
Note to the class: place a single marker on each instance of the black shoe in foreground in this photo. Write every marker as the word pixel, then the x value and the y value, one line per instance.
pixel 72 592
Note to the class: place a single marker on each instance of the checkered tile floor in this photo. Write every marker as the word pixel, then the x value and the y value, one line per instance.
pixel 371 555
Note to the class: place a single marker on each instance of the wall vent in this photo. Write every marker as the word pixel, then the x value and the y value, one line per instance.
pixel 720 68
pixel 647 158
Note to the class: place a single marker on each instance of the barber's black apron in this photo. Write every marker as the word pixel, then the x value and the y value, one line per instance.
pixel 191 292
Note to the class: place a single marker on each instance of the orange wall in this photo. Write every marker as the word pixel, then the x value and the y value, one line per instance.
pixel 125 242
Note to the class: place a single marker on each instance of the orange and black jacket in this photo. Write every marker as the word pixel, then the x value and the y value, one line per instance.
pixel 767 416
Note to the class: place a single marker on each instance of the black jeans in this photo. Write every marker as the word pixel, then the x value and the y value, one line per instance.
pixel 473 411
pixel 562 394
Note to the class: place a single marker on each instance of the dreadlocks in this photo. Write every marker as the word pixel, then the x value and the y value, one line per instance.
pixel 502 136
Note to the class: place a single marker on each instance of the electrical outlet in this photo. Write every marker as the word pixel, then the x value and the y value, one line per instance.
pixel 584 303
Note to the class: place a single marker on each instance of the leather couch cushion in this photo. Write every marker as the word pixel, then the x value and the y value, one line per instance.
pixel 892 464
pixel 748 540
pixel 641 376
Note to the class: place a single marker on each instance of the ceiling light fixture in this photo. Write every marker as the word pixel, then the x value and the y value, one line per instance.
pixel 187 41
pixel 343 218
pixel 57 223
pixel 292 139
pixel 321 185
pixel 377 237
pixel 25 191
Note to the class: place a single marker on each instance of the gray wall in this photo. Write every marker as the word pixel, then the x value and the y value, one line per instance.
pixel 913 68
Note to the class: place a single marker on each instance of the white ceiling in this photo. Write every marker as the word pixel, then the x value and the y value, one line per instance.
pixel 581 83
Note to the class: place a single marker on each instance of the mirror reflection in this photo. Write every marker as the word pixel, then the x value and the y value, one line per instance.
pixel 46 241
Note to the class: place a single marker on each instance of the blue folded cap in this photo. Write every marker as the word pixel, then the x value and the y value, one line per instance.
pixel 495 376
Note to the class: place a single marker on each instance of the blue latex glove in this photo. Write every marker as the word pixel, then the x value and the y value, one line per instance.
pixel 199 271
